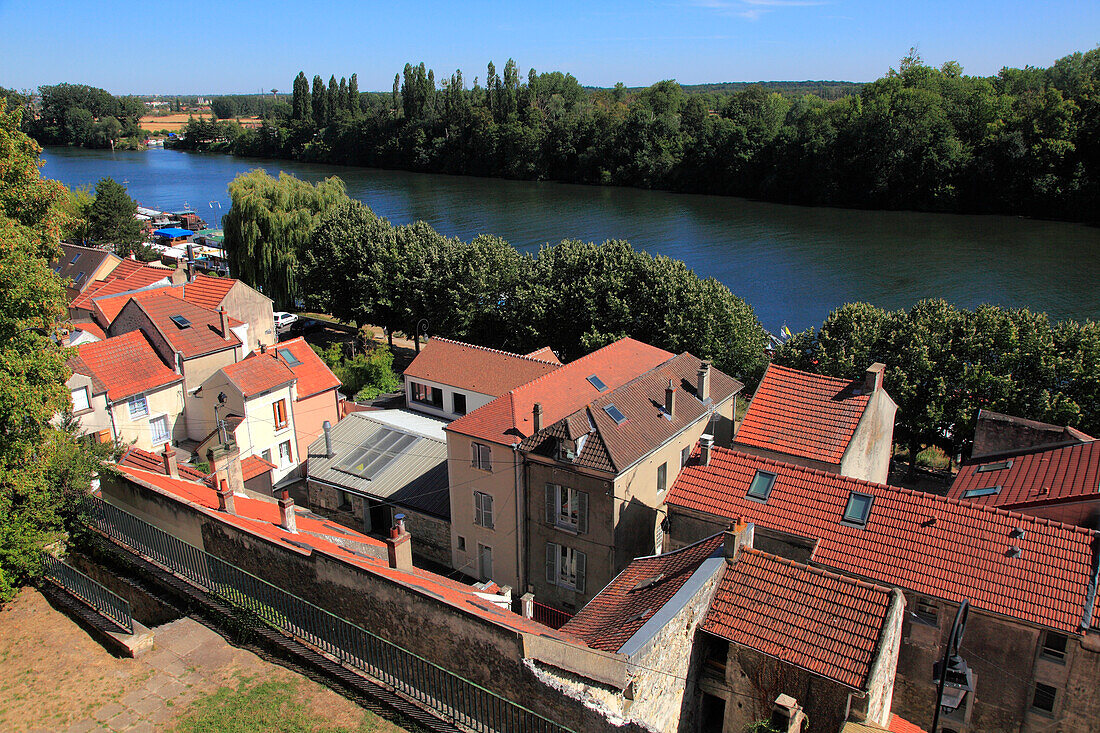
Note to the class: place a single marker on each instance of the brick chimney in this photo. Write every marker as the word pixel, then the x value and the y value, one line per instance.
pixel 536 418
pixel 179 275
pixel 225 322
pixel 286 511
pixel 225 459
pixel 787 715
pixel 225 498
pixel 740 534
pixel 872 378
pixel 168 460
pixel 670 399
pixel 399 545
pixel 702 381
pixel 706 442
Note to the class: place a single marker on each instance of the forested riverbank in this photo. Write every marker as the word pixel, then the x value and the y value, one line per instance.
pixel 1024 142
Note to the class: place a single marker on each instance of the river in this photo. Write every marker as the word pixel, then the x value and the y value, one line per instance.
pixel 793 264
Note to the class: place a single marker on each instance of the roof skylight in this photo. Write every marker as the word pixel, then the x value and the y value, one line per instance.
pixel 998 466
pixel 597 383
pixel 859 508
pixel 615 414
pixel 983 491
pixel 289 357
pixel 761 485
pixel 180 321
pixel 75 258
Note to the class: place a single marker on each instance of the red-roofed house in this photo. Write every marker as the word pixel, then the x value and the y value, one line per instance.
pixel 449 379
pixel 316 399
pixel 122 390
pixel 1031 582
pixel 1059 483
pixel 996 433
pixel 127 277
pixel 838 425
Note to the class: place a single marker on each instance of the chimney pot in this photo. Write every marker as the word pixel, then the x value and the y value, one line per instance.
pixel 327 427
pixel 872 378
pixel 740 534
pixel 287 519
pixel 225 498
pixel 168 459
pixel 706 442
pixel 224 322
pixel 536 417
pixel 399 545
pixel 670 399
pixel 702 382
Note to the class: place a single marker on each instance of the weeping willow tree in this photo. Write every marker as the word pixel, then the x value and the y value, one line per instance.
pixel 268 227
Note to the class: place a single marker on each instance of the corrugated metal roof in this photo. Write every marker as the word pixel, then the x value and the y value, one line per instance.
pixel 415 478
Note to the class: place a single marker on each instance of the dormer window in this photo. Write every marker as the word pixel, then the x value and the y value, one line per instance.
pixel 858 509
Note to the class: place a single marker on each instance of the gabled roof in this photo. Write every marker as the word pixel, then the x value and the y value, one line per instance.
pixel 122 366
pixel 316 534
pixel 476 368
pixel 928 544
pixel 802 414
pixel 137 277
pixel 106 307
pixel 258 375
pixel 90 328
pixel 544 354
pixel 201 337
pixel 612 446
pixel 644 587
pixel 88 260
pixel 146 461
pixel 508 419
pixel 1042 476
pixel 825 623
pixel 209 292
pixel 253 466
pixel 314 377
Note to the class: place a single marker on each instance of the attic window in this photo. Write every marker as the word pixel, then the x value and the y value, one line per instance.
pixel 74 259
pixel 289 357
pixel 597 383
pixel 858 509
pixel 648 582
pixel 761 485
pixel 984 491
pixel 615 414
pixel 78 278
pixel 998 466
pixel 180 321
pixel 637 617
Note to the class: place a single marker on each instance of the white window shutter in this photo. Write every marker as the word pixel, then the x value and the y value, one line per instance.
pixel 582 512
pixel 581 561
pixel 551 504
pixel 551 563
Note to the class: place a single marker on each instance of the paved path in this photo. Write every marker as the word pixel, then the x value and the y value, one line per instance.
pixel 54 677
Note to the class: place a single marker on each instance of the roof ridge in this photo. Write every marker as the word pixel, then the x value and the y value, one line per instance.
pixel 817 570
pixel 1030 451
pixel 490 350
pixel 846 380
pixel 639 377
pixel 718 450
pixel 587 356
pixel 677 551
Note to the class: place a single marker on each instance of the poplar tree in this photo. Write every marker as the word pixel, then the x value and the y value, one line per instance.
pixel 396 93
pixel 345 104
pixel 353 94
pixel 332 100
pixel 301 101
pixel 318 100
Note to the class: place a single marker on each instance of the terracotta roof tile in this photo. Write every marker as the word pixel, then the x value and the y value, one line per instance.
pixel 476 368
pixel 1039 477
pixel 123 366
pixel 253 466
pixel 92 328
pixel 928 544
pixel 563 391
pixel 207 291
pixel 313 375
pixel 146 461
pixel 201 337
pixel 258 374
pixel 639 591
pixel 802 414
pixel 899 724
pixel 106 307
pixel 825 623
pixel 545 354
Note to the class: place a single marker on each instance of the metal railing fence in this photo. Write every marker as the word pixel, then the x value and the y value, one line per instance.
pixel 109 605
pixel 548 616
pixel 448 694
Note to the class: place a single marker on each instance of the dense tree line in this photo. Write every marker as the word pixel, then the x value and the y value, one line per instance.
pixel 945 363
pixel 1026 141
pixel 80 115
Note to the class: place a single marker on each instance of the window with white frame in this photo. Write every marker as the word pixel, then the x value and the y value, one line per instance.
pixel 483 510
pixel 567 508
pixel 286 457
pixel 565 567
pixel 158 428
pixel 480 456
pixel 80 400
pixel 139 406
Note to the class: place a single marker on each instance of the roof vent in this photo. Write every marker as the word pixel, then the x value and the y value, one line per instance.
pixel 1013 551
pixel 1044 491
pixel 648 582
pixel 180 321
pixel 638 617
pixel 1018 532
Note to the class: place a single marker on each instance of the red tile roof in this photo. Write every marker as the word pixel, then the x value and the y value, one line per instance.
pixel 201 337
pixel 825 623
pixel 123 366
pixel 261 519
pixel 314 377
pixel 106 308
pixel 208 291
pixel 636 594
pixel 476 368
pixel 802 414
pixel 259 374
pixel 1042 476
pixel 545 354
pixel 899 724
pixel 146 461
pixel 91 328
pixel 127 276
pixel 928 544
pixel 253 466
pixel 563 391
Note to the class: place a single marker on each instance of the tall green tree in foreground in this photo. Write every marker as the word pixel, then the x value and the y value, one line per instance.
pixel 268 227
pixel 111 217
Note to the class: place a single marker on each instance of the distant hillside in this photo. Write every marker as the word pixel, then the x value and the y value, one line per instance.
pixel 824 89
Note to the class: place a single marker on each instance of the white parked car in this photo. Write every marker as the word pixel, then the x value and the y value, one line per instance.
pixel 284 320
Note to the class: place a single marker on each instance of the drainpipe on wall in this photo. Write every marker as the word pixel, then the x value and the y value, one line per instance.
pixel 521 519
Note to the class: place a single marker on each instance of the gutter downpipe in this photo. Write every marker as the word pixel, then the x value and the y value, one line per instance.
pixel 111 417
pixel 521 519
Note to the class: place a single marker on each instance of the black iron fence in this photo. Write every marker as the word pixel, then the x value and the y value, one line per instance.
pixel 112 607
pixel 448 694
pixel 548 616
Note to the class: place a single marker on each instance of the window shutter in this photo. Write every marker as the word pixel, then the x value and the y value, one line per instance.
pixel 582 512
pixel 551 504
pixel 488 458
pixel 581 560
pixel 487 509
pixel 473 454
pixel 477 509
pixel 551 563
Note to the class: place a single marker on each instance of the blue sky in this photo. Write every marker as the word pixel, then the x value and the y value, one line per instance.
pixel 207 47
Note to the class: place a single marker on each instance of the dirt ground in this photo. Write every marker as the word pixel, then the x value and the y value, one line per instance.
pixel 173 123
pixel 55 677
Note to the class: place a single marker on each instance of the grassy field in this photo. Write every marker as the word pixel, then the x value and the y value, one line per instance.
pixel 173 123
